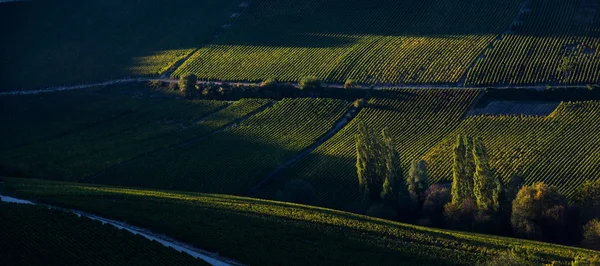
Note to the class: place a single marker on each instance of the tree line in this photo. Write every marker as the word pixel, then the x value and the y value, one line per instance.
pixel 477 200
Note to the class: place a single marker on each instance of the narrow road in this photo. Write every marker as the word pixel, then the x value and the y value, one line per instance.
pixel 209 257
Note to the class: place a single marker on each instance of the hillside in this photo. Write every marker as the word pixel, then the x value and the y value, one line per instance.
pixel 238 228
pixel 34 235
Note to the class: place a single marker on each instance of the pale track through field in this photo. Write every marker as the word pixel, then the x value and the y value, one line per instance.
pixel 209 257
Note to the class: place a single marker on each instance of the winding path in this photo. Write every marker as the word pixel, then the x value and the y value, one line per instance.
pixel 209 257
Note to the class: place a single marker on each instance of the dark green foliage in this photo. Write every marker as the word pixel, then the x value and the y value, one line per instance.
pixel 417 180
pixel 487 187
pixel 538 213
pixel 297 191
pixel 36 235
pixel 382 210
pixel 588 198
pixel 269 84
pixel 462 183
pixel 591 235
pixel 461 216
pixel 394 191
pixel 436 197
pixel 350 84
pixel 368 164
pixel 187 84
pixel 310 84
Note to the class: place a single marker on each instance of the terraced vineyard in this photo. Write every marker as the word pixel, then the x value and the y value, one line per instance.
pixel 32 235
pixel 382 41
pixel 234 160
pixel 562 149
pixel 47 43
pixel 416 118
pixel 146 125
pixel 237 227
pixel 555 42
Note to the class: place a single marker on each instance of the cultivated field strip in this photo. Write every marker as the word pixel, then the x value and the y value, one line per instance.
pixel 140 126
pixel 557 42
pixel 36 235
pixel 560 149
pixel 234 160
pixel 386 41
pixel 417 118
pixel 237 227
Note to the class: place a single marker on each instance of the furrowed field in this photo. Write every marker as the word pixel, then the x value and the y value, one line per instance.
pixel 236 159
pixel 562 149
pixel 238 228
pixel 35 235
pixel 554 42
pixel 416 118
pixel 126 126
pixel 381 41
pixel 48 43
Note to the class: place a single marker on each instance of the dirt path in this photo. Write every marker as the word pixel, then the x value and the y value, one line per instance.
pixel 209 257
pixel 276 174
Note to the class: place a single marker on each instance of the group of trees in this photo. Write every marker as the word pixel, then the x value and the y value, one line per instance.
pixel 477 200
pixel 385 191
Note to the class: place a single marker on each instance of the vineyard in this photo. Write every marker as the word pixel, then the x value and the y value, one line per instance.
pixel 237 227
pixel 416 118
pixel 32 235
pixel 556 42
pixel 236 159
pixel 562 149
pixel 48 43
pixel 382 41
pixel 141 126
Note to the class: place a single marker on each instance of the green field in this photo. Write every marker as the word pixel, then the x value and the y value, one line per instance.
pixel 125 127
pixel 416 118
pixel 381 41
pixel 264 232
pixel 34 235
pixel 561 149
pixel 533 52
pixel 236 159
pixel 56 42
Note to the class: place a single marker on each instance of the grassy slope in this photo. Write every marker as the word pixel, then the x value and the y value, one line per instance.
pixel 261 232
pixel 55 42
pixel 236 159
pixel 409 41
pixel 560 150
pixel 33 235
pixel 533 52
pixel 136 125
pixel 417 120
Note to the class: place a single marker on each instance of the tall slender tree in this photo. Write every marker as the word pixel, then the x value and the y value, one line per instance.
pixel 462 182
pixel 487 186
pixel 394 189
pixel 417 179
pixel 368 164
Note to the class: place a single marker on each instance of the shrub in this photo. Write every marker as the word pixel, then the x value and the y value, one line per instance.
pixel 588 198
pixel 436 197
pixel 460 216
pixel 350 84
pixel 269 84
pixel 187 84
pixel 538 212
pixel 310 84
pixel 298 191
pixel 591 235
pixel 359 103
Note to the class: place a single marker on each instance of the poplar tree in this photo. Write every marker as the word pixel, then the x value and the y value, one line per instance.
pixel 417 179
pixel 394 187
pixel 487 187
pixel 368 164
pixel 462 182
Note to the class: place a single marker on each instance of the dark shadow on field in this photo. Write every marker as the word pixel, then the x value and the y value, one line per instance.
pixel 47 43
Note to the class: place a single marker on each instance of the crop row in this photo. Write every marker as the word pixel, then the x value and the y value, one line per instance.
pixel 235 159
pixel 372 42
pixel 237 227
pixel 552 42
pixel 146 126
pixel 32 235
pixel 417 119
pixel 561 149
